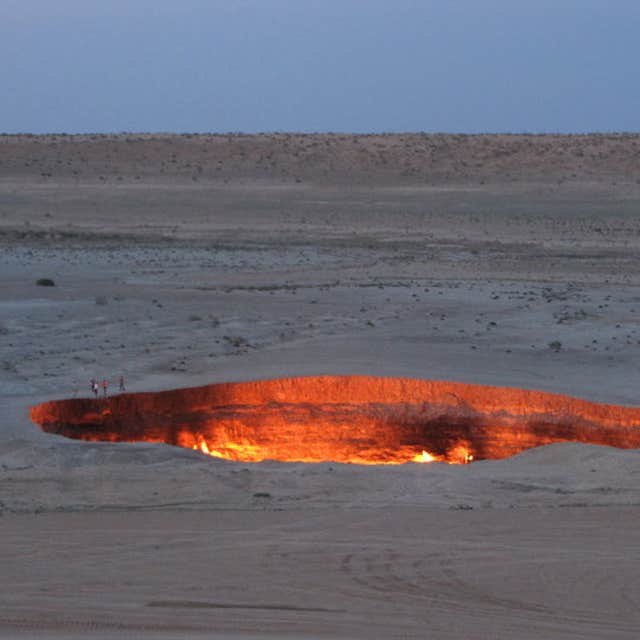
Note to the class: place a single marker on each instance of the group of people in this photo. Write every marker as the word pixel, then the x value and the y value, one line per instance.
pixel 95 386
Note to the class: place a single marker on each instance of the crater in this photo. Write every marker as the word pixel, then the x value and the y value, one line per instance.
pixel 347 419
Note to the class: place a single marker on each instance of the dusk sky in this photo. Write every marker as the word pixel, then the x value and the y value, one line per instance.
pixel 319 65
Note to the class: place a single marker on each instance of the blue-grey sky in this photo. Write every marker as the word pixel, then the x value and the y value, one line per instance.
pixel 319 65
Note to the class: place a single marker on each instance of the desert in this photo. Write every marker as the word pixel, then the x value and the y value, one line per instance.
pixel 178 261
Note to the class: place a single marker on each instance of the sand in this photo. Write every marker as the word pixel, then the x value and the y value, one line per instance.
pixel 384 256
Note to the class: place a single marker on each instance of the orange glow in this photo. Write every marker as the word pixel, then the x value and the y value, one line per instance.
pixel 425 456
pixel 251 453
pixel 348 419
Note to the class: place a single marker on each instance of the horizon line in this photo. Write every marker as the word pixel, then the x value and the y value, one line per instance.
pixel 7 134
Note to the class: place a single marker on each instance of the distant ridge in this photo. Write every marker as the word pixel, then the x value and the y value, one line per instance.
pixel 412 158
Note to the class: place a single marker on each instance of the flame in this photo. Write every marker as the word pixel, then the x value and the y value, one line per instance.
pixel 251 453
pixel 425 456
pixel 227 450
pixel 460 454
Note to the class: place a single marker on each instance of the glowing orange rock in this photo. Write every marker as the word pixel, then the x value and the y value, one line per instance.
pixel 357 419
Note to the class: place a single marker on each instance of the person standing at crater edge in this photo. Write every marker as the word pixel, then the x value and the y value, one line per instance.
pixel 122 388
pixel 105 384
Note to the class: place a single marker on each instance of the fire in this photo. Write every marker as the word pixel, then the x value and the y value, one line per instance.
pixel 345 419
pixel 238 451
pixel 425 456
pixel 250 453
pixel 459 454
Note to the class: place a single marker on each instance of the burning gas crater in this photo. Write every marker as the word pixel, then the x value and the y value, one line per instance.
pixel 352 419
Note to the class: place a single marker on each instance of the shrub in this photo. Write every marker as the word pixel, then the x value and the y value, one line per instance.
pixel 45 282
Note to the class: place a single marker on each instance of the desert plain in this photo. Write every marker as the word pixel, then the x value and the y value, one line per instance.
pixel 184 260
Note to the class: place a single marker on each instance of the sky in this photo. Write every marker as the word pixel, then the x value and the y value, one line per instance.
pixel 458 66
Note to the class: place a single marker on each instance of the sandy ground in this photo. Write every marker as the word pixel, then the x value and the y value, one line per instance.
pixel 294 269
